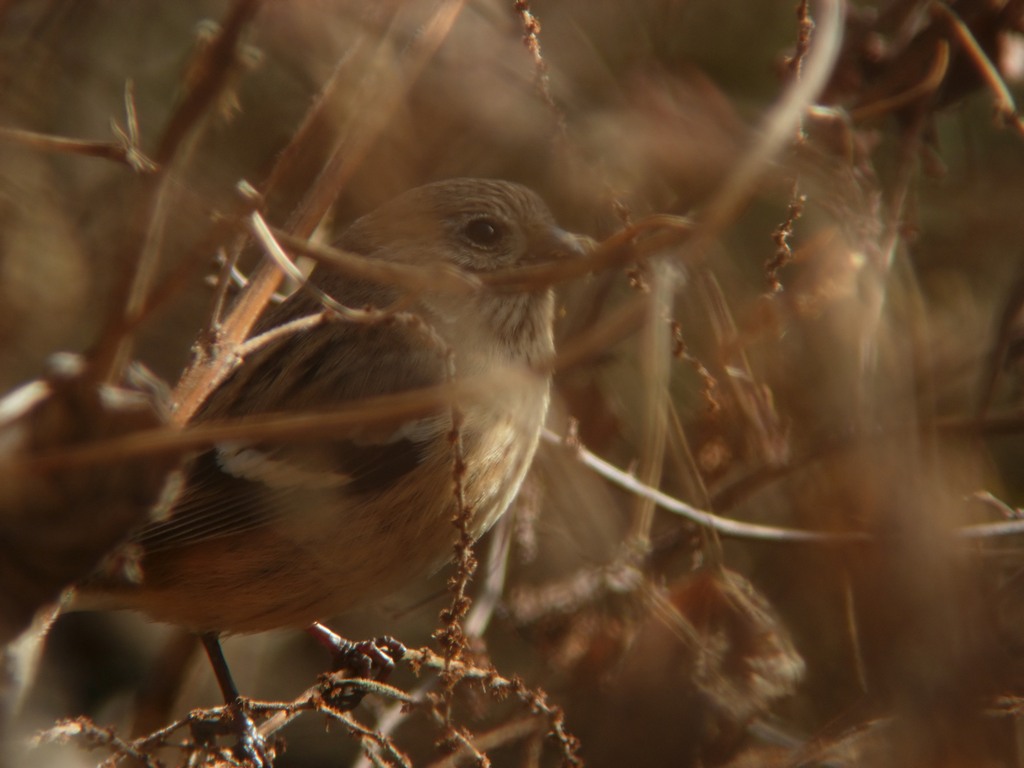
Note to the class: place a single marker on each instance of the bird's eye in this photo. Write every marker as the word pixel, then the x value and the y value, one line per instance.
pixel 483 231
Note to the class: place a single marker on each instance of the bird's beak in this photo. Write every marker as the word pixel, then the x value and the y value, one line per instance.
pixel 560 244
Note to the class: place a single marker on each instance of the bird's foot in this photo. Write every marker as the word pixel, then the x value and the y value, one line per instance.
pixel 369 659
pixel 372 659
pixel 250 750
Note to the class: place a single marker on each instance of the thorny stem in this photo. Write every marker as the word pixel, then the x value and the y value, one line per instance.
pixel 803 40
pixel 95 736
pixel 709 387
pixel 319 698
pixel 498 686
pixel 451 636
pixel 476 623
pixel 531 39
pixel 209 73
pixel 213 64
pixel 372 741
pixel 118 151
pixel 348 153
pixel 783 232
pixel 497 737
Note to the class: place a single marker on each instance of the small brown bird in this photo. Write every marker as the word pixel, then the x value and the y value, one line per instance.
pixel 265 534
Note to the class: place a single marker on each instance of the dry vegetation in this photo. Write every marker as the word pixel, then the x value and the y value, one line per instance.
pixel 776 519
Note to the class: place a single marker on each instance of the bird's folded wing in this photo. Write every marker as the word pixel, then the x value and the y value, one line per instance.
pixel 240 486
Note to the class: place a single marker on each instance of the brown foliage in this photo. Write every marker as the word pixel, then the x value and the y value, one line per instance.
pixel 799 337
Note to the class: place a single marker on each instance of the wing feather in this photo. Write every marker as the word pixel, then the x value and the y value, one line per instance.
pixel 238 487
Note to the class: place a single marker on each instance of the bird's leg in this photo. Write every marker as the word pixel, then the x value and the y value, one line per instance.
pixel 211 642
pixel 370 659
pixel 251 746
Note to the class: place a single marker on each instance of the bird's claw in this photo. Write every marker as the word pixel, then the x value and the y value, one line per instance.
pixel 369 659
pixel 251 747
pixel 250 750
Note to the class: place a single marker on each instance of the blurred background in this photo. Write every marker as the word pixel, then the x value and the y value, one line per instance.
pixel 838 351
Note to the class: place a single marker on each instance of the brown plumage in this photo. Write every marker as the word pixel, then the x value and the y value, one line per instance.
pixel 268 535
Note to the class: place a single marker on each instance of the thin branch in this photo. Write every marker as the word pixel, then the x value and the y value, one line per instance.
pixel 498 686
pixel 1006 108
pixel 754 531
pixel 118 151
pixel 300 426
pixel 210 69
pixel 618 249
pixel 542 80
pixel 261 231
pixel 346 156
pixel 208 74
pixel 925 87
pixel 83 728
pixel 724 526
pixel 496 737
pixel 440 279
pixel 655 358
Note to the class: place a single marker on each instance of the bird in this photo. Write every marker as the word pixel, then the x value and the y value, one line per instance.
pixel 284 534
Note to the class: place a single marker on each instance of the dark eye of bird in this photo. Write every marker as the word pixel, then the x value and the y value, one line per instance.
pixel 483 231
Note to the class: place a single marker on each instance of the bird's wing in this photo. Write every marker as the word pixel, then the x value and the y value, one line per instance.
pixel 239 486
